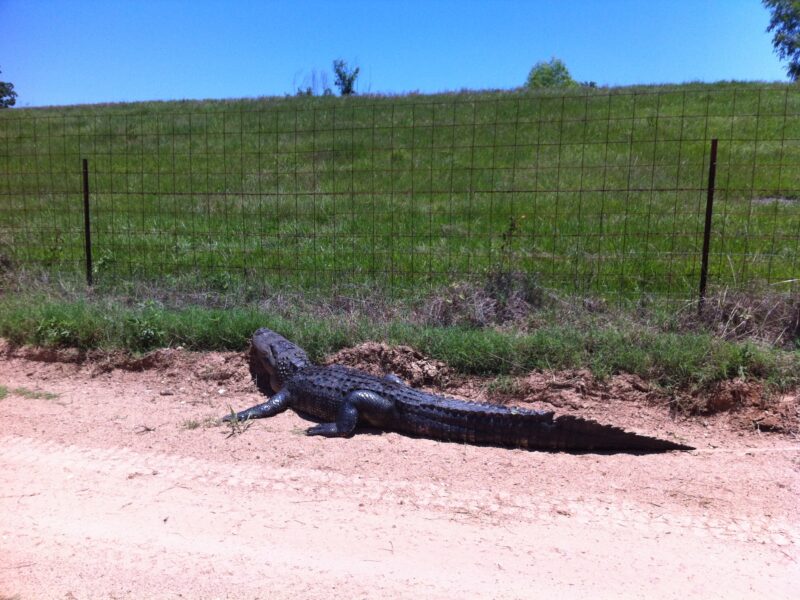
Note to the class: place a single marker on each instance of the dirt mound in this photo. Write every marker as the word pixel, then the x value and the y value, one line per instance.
pixel 227 371
pixel 730 395
pixel 574 389
pixel 755 408
pixel 102 360
pixel 47 355
pixel 381 359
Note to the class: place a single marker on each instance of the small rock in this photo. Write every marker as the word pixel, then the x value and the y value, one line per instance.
pixel 769 422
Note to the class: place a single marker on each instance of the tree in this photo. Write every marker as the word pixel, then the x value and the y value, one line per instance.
pixel 345 78
pixel 785 22
pixel 550 74
pixel 8 97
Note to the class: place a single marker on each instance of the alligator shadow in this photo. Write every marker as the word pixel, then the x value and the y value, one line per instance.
pixel 376 431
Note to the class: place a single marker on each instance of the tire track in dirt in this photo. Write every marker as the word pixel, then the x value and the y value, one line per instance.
pixel 484 505
pixel 114 522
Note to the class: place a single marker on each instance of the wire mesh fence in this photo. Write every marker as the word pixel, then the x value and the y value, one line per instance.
pixel 597 193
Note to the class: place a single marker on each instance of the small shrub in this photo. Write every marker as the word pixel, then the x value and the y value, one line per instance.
pixel 219 282
pixel 104 262
pixel 55 332
pixel 550 74
pixel 504 296
pixel 142 332
pixel 460 304
pixel 763 315
pixel 345 77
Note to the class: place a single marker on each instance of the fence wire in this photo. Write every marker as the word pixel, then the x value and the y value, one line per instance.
pixel 596 193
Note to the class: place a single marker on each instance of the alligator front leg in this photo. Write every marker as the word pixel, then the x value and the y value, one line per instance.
pixel 278 403
pixel 372 407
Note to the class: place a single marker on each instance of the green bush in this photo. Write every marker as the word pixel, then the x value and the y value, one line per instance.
pixel 550 74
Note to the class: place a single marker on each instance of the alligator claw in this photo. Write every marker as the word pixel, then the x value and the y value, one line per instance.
pixel 325 429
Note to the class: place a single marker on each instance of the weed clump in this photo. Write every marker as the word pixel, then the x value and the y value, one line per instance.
pixel 503 297
pixel 26 393
pixel 763 315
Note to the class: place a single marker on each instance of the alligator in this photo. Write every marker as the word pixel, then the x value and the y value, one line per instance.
pixel 340 399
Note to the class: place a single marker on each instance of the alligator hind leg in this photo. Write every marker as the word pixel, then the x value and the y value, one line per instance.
pixel 344 425
pixel 278 403
pixel 372 407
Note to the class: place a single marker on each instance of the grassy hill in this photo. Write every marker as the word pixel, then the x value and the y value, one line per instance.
pixel 597 192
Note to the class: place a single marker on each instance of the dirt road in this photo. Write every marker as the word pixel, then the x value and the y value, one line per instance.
pixel 121 486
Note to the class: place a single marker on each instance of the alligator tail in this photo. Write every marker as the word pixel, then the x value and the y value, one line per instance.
pixel 469 422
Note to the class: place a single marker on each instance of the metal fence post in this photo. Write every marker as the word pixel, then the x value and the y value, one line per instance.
pixel 87 229
pixel 712 174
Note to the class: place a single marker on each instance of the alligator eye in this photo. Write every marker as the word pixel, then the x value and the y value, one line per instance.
pixel 272 353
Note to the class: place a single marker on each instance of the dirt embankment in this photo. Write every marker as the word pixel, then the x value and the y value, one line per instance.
pixel 118 482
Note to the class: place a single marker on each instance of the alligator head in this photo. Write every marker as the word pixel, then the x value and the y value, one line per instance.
pixel 275 356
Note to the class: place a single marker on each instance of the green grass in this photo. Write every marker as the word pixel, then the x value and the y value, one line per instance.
pixel 333 220
pixel 34 394
pixel 26 393
pixel 598 192
pixel 606 345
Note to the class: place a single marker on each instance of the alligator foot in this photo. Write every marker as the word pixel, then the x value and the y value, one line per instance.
pixel 278 403
pixel 343 426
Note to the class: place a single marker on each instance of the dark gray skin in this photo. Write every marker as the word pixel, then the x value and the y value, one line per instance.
pixel 343 398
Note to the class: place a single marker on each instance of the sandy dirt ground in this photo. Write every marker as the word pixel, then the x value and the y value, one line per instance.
pixel 117 482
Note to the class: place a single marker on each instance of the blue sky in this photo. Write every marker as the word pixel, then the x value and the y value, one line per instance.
pixel 82 51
